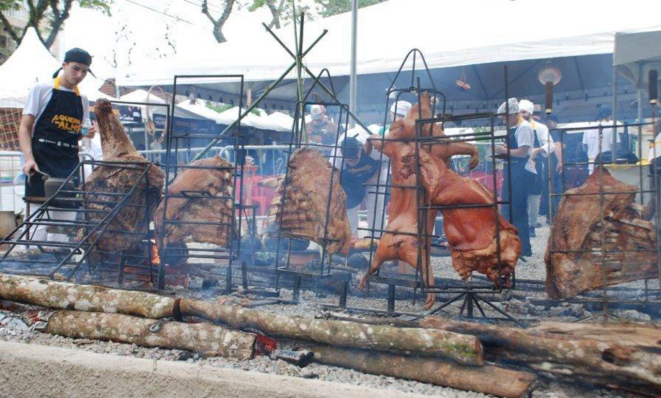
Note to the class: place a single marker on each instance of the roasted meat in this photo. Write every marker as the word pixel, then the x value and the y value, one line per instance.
pixel 106 181
pixel 590 253
pixel 208 198
pixel 400 242
pixel 471 232
pixel 301 213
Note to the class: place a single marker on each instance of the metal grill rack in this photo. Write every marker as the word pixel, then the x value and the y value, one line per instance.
pixel 64 258
pixel 211 260
pixel 637 294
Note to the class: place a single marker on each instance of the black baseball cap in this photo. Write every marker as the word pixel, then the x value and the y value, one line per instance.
pixel 77 55
pixel 350 147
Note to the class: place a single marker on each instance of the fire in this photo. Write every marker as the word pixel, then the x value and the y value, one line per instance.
pixel 155 258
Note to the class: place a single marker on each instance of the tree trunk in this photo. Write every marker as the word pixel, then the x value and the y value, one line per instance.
pixel 485 379
pixel 62 295
pixel 561 348
pixel 204 338
pixel 430 342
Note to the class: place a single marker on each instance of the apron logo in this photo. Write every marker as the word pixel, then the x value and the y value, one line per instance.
pixel 67 123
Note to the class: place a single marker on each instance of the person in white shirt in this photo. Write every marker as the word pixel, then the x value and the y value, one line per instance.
pixel 53 122
pixel 516 173
pixel 543 146
pixel 591 137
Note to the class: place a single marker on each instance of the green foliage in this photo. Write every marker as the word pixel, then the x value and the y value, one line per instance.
pixel 6 5
pixel 218 108
pixel 222 108
pixel 282 9
pixel 103 5
pixel 333 7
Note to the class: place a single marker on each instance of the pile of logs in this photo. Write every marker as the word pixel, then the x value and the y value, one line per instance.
pixel 454 354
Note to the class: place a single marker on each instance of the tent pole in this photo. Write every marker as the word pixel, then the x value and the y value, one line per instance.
pixel 640 91
pixel 270 88
pixel 353 79
pixel 614 107
pixel 309 72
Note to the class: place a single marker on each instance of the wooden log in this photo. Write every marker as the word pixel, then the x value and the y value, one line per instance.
pixel 204 338
pixel 596 357
pixel 486 379
pixel 460 348
pixel 62 295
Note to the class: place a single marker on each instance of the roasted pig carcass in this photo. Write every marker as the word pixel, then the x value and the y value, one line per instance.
pixel 441 150
pixel 302 213
pixel 106 181
pixel 471 232
pixel 599 240
pixel 400 241
pixel 201 194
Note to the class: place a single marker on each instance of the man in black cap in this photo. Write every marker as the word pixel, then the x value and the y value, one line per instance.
pixel 52 125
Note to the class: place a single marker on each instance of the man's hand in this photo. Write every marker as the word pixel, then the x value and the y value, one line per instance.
pixel 91 131
pixel 500 149
pixel 29 166
pixel 558 168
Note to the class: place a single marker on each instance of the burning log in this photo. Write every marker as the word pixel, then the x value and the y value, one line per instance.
pixel 582 233
pixel 626 353
pixel 484 379
pixel 61 295
pixel 460 348
pixel 203 338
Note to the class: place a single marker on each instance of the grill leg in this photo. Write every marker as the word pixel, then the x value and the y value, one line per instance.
pixel 391 299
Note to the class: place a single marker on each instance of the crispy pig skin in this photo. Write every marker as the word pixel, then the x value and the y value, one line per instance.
pixel 471 232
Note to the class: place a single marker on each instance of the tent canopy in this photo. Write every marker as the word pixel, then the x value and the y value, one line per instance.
pixel 636 50
pixel 449 33
pixel 472 39
pixel 32 63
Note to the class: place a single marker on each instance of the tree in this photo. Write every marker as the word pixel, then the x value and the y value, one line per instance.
pixel 220 21
pixel 46 16
pixel 281 10
pixel 277 8
pixel 333 7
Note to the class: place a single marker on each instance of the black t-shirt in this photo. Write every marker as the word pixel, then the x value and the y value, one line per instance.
pixel 353 178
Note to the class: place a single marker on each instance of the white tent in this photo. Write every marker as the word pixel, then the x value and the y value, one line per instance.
pixel 449 33
pixel 32 63
pixel 142 96
pixel 199 107
pixel 159 105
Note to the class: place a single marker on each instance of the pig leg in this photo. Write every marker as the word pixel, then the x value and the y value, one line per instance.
pixel 385 251
pixel 408 252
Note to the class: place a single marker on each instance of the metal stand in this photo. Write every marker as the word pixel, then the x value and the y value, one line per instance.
pixel 200 257
pixel 96 212
pixel 609 295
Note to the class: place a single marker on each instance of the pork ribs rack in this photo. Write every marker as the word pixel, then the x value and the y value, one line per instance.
pixel 198 207
pixel 300 210
pixel 599 238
